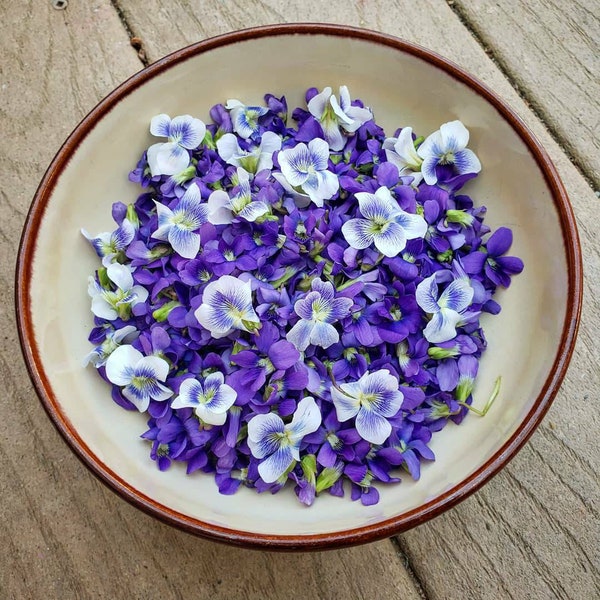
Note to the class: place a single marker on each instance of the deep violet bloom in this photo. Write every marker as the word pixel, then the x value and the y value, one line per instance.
pixel 497 267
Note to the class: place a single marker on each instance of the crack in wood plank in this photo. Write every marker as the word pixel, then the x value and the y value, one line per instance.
pixel 593 179
pixel 403 553
pixel 134 39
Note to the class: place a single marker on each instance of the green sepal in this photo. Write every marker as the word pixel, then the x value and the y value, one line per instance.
pixel 251 326
pixel 185 175
pixel 462 217
pixel 161 314
pixel 438 353
pixel 132 216
pixel 209 141
pixel 327 477
pixel 103 278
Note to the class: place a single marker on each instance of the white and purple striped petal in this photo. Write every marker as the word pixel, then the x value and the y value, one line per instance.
pixel 379 205
pixel 324 335
pixel 372 427
pixel 442 326
pixel 447 146
pixel 273 467
pixel 226 305
pixel 253 211
pixel 358 233
pixel 454 135
pixel 391 240
pixel 457 296
pixel 466 162
pixel 427 295
pixel 167 158
pixel 306 419
pixel 187 131
pixel 160 125
pixel 414 226
pixel 264 434
pixel 300 334
pixel 184 242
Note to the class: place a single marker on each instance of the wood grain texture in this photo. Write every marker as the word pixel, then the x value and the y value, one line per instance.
pixel 533 532
pixel 552 52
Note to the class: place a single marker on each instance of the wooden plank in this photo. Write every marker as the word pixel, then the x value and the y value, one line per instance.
pixel 533 532
pixel 551 51
pixel 65 535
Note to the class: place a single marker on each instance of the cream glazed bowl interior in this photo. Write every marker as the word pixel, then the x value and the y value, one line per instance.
pixel 530 341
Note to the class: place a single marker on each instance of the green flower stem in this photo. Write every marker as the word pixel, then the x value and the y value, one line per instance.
pixel 490 401
pixel 289 273
pixel 162 314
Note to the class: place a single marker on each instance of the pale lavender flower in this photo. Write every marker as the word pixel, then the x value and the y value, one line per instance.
pixel 107 245
pixel 305 170
pixel 184 133
pixel 227 305
pixel 110 304
pixel 179 226
pixel 223 209
pixel 140 375
pixel 210 399
pixel 401 152
pixel 373 399
pixel 337 117
pixel 245 118
pixel 255 160
pixel 384 224
pixel 317 311
pixel 446 309
pixel 113 340
pixel 448 146
pixel 279 444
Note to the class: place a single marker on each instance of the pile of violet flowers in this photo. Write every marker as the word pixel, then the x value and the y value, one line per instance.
pixel 297 303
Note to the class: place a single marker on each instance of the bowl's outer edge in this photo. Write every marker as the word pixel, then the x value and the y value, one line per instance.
pixel 318 541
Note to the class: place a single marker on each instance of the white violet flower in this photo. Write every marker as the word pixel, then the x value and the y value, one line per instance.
pixel 337 117
pixel 183 133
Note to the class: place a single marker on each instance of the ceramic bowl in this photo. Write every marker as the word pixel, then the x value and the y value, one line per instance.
pixel 530 342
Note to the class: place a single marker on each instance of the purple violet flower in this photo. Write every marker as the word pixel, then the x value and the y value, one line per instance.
pixel 183 133
pixel 384 224
pixel 372 400
pixel 210 399
pixel 279 444
pixel 318 310
pixel 140 375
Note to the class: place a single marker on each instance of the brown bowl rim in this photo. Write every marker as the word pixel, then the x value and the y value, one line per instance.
pixel 331 540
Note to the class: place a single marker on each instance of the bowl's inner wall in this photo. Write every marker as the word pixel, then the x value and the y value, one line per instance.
pixel 402 90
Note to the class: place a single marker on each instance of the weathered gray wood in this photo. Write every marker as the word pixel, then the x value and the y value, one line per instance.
pixel 534 531
pixel 552 51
